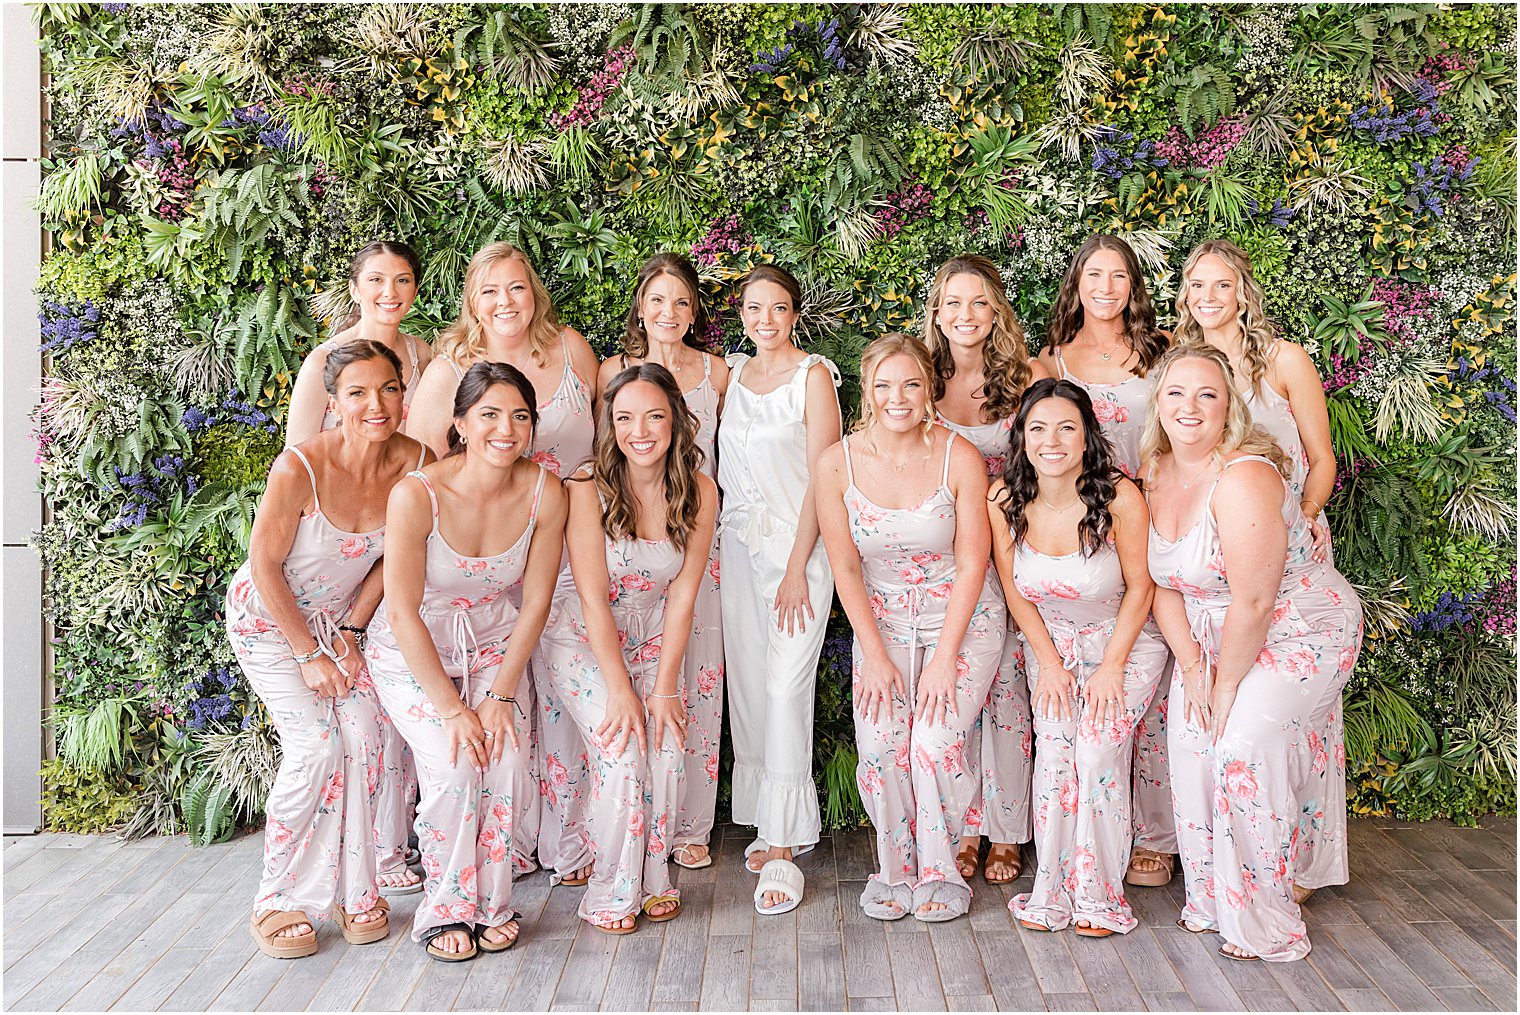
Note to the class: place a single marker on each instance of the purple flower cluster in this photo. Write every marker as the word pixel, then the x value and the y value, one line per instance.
pixel 114 8
pixel 1208 150
pixel 1432 184
pixel 1491 609
pixel 149 488
pixel 64 327
pixel 1501 393
pixel 270 134
pixel 1276 216
pixel 1404 304
pixel 1389 125
pixel 726 235
pixel 1110 160
pixel 213 698
pixel 1449 611
pixel 588 106
pixel 154 130
pixel 232 410
pixel 824 36
pixel 908 204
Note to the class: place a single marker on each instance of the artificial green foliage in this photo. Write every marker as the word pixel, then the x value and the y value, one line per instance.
pixel 212 167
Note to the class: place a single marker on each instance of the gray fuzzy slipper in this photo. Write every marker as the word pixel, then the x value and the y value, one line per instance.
pixel 955 898
pixel 881 901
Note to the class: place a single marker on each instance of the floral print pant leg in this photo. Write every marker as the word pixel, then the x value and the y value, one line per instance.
pixel 319 845
pixel 703 672
pixel 631 807
pixel 1082 806
pixel 464 818
pixel 1000 746
pixel 395 800
pixel 913 776
pixel 1322 846
pixel 1155 828
pixel 564 845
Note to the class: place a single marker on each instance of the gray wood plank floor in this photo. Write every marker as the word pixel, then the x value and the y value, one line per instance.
pixel 91 923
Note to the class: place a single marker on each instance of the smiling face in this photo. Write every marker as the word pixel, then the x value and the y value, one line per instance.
pixel 768 314
pixel 504 304
pixel 1192 403
pixel 498 427
pixel 384 289
pixel 667 309
pixel 899 394
pixel 642 423
pixel 368 399
pixel 1212 292
pixel 965 315
pixel 1104 286
pixel 1054 437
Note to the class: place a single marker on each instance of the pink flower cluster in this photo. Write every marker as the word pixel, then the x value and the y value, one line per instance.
pixel 907 205
pixel 320 180
pixel 1403 304
pixel 177 177
pixel 1457 157
pixel 1342 473
pixel 588 106
pixel 1208 150
pixel 1497 612
pixel 1344 373
pixel 305 84
pixel 726 235
pixel 1438 70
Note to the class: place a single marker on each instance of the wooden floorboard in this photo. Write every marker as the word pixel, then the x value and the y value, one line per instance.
pixel 93 923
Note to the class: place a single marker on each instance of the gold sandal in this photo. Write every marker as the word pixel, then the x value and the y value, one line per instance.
pixel 657 900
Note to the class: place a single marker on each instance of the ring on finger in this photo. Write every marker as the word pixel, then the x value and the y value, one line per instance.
pixel 489 734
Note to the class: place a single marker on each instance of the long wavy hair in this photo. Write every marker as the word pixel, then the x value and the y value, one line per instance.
pixel 357 351
pixel 1140 331
pixel 356 265
pixel 683 460
pixel 1096 484
pixel 473 387
pixel 1240 433
pixel 635 335
pixel 1005 356
pixel 1257 333
pixel 464 341
pixel 878 352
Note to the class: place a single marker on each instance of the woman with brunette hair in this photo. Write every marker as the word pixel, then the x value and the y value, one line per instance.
pixel 902 506
pixel 981 368
pixel 665 325
pixel 448 648
pixel 295 611
pixel 1103 338
pixel 641 526
pixel 1078 588
pixel 1265 637
pixel 1221 304
pixel 506 316
pixel 780 414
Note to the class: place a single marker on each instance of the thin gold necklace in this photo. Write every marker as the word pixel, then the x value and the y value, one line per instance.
pixel 1189 484
pixel 1062 510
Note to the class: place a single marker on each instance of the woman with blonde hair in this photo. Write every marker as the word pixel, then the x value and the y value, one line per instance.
pixel 665 325
pixel 641 526
pixel 1103 337
pixel 1265 637
pixel 1221 304
pixel 902 507
pixel 981 369
pixel 506 316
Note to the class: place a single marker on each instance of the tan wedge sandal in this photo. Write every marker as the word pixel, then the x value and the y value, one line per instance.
pixel 266 931
pixel 369 931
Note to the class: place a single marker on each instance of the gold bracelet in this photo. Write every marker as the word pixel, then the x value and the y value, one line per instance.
pixel 1317 509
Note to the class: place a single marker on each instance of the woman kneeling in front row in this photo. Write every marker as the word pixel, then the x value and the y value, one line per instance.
pixel 903 512
pixel 448 648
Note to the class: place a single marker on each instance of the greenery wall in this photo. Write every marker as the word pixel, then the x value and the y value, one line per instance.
pixel 213 167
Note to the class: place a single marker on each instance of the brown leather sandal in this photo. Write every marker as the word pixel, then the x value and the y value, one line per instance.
pixel 266 931
pixel 369 931
pixel 1150 878
pixel 969 857
pixel 1013 856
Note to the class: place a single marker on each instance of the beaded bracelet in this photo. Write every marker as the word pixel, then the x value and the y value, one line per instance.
pixel 500 697
pixel 651 694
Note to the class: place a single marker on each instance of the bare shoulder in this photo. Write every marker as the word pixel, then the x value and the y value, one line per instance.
pixel 582 357
pixel 965 459
pixel 1250 485
pixel 831 461
pixel 1040 368
pixel 1128 501
pixel 1291 362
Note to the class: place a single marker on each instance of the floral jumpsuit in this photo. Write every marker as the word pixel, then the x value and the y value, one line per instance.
pixel 1244 804
pixel 633 800
pixel 1082 766
pixel 1003 760
pixel 319 843
pixel 465 819
pixel 913 774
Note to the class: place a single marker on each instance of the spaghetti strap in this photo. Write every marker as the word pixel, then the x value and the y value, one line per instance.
pixel 458 373
pixel 432 496
pixel 538 490
pixel 316 503
pixel 707 366
pixel 1061 362
pixel 421 456
pixel 849 470
pixel 944 479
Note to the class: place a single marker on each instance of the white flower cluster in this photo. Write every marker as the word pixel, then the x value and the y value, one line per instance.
pixel 580 29
pixel 1267 44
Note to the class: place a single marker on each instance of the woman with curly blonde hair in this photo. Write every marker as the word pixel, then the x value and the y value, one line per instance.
pixel 642 515
pixel 1265 633
pixel 506 316
pixel 981 369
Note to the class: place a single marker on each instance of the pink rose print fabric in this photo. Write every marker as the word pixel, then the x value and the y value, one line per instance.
pixel 1246 806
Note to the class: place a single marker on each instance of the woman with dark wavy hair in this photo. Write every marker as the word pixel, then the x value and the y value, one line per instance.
pixel 981 368
pixel 1103 338
pixel 642 515
pixel 448 649
pixel 665 325
pixel 1068 539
